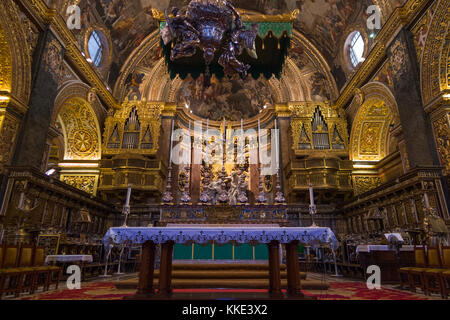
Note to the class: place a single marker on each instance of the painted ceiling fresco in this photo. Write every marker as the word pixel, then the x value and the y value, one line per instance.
pixel 233 98
pixel 323 22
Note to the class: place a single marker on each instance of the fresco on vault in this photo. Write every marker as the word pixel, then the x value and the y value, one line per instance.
pixel 230 98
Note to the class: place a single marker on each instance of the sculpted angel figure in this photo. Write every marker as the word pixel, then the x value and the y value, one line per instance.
pixel 179 27
pixel 233 193
pixel 240 38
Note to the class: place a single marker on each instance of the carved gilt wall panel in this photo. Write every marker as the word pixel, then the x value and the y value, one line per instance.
pixel 85 183
pixel 442 135
pixel 81 130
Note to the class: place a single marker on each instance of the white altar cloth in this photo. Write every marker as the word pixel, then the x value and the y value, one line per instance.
pixel 68 258
pixel 373 247
pixel 205 234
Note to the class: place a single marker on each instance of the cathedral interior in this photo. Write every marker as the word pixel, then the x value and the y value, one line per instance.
pixel 113 111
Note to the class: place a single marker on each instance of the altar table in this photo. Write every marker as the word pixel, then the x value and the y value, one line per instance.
pixel 387 259
pixel 168 236
pixel 380 247
pixel 68 258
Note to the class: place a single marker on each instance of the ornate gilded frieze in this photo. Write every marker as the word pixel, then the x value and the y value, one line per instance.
pixel 31 32
pixel 421 29
pixel 364 184
pixel 8 132
pixel 435 62
pixel 86 183
pixel 5 63
pixel 323 174
pixel 135 129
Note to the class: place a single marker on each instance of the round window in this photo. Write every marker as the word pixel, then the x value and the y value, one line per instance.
pixel 96 48
pixel 356 48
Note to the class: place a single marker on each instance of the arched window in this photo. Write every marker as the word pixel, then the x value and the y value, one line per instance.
pixel 95 47
pixel 356 48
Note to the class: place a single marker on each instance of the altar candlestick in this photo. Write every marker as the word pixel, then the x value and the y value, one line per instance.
pixel 259 140
pixel 311 195
pixel 224 130
pixel 261 198
pixel 207 141
pixel 127 202
pixel 189 150
pixel 243 140
pixel 167 196
pixel 224 140
pixel 21 200
pixel 276 145
pixel 427 201
pixel 171 144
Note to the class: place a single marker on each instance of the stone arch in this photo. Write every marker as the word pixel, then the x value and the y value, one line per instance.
pixel 372 113
pixel 435 68
pixel 16 53
pixel 319 62
pixel 5 63
pixel 74 89
pixel 81 130
pixel 132 62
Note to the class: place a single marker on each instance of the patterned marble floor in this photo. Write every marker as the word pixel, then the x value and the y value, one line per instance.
pixel 340 289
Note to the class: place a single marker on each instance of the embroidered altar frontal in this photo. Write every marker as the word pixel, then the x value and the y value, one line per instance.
pixel 222 235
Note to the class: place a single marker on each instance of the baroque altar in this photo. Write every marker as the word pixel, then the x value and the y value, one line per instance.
pixel 167 237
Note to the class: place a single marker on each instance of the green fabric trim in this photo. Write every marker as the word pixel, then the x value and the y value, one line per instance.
pixel 278 29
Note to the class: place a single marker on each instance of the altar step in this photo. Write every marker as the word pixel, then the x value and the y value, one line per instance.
pixel 223 266
pixel 223 284
pixel 233 276
pixel 223 274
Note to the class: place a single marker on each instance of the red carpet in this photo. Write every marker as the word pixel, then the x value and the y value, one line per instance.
pixel 337 291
